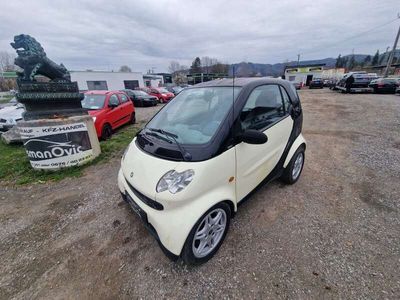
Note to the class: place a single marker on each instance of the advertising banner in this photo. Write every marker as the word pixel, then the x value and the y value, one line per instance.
pixel 57 146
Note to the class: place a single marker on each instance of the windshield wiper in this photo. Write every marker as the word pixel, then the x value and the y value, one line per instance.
pixel 186 155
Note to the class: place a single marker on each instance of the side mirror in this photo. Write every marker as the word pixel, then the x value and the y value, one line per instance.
pixel 252 136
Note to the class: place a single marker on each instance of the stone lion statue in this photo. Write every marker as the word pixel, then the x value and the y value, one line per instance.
pixel 33 59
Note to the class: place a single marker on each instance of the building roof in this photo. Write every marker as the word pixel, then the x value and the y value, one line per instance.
pixel 304 66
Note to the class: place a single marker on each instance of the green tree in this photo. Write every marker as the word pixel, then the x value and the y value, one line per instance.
pixel 196 66
pixel 352 63
pixel 125 69
pixel 375 59
pixel 339 62
pixel 367 60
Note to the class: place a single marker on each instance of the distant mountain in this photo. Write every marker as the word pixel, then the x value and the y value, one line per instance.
pixel 246 69
pixel 249 69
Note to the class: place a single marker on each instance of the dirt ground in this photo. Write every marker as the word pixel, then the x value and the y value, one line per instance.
pixel 334 234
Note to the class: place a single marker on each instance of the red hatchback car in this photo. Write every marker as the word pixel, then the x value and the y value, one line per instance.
pixel 109 109
pixel 161 93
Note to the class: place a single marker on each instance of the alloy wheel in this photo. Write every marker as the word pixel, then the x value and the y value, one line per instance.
pixel 209 233
pixel 298 165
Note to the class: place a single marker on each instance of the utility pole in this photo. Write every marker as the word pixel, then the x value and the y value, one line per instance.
pixel 389 62
pixel 298 59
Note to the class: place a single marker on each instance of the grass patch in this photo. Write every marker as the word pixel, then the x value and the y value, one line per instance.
pixel 5 99
pixel 15 167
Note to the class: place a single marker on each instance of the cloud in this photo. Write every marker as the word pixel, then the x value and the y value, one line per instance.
pixel 104 35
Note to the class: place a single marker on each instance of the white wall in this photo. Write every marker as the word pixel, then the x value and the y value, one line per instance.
pixel 115 80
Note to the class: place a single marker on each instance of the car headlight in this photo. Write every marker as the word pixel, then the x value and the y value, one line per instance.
pixel 94 119
pixel 174 181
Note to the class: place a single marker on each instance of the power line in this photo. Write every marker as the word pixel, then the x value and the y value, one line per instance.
pixel 354 36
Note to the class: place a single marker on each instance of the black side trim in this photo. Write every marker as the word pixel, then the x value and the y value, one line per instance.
pixel 146 200
pixel 121 119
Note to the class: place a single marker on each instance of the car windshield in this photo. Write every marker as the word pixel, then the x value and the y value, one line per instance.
pixel 140 93
pixel 195 114
pixel 93 101
pixel 163 90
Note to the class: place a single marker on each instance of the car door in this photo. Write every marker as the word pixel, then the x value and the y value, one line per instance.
pixel 125 108
pixel 266 110
pixel 113 111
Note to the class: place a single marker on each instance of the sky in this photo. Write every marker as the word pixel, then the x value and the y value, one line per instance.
pixel 103 35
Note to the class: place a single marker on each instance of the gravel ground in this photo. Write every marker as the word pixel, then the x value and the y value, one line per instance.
pixel 334 234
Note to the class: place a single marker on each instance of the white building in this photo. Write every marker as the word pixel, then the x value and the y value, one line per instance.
pixel 152 80
pixel 303 73
pixel 103 80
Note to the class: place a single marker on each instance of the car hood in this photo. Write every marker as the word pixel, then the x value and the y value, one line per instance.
pixel 143 171
pixel 12 112
pixel 94 112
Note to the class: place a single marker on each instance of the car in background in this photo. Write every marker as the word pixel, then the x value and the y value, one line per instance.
pixel 298 85
pixel 12 102
pixel 360 84
pixel 109 110
pixel 327 82
pixel 175 89
pixel 141 98
pixel 162 94
pixel 10 115
pixel 316 83
pixel 398 90
pixel 384 85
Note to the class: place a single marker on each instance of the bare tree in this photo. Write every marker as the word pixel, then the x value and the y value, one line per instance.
pixel 175 66
pixel 208 62
pixel 125 69
pixel 7 61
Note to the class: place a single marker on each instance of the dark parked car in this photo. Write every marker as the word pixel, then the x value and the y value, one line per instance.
pixel 175 90
pixel 298 85
pixel 384 85
pixel 141 98
pixel 316 83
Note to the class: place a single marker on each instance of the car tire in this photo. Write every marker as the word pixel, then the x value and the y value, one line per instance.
pixel 193 253
pixel 293 170
pixel 106 132
pixel 133 118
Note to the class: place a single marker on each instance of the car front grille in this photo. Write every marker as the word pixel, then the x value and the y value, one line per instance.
pixel 146 200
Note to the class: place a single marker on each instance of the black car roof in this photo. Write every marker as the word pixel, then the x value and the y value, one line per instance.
pixel 242 81
pixel 248 84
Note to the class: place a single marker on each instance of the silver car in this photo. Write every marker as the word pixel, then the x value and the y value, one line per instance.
pixel 10 115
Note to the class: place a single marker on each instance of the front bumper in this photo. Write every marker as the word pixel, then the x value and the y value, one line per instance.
pixel 6 126
pixel 143 216
pixel 156 220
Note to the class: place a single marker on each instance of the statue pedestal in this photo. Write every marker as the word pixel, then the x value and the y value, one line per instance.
pixel 52 144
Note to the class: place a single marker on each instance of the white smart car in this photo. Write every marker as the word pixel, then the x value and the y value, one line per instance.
pixel 186 171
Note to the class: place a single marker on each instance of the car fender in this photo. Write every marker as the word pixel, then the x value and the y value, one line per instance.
pixel 173 235
pixel 296 144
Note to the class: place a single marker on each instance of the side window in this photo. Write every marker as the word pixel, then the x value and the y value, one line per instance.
pixel 263 107
pixel 123 97
pixel 113 100
pixel 286 99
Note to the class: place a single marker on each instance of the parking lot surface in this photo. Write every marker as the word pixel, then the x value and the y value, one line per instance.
pixel 334 234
